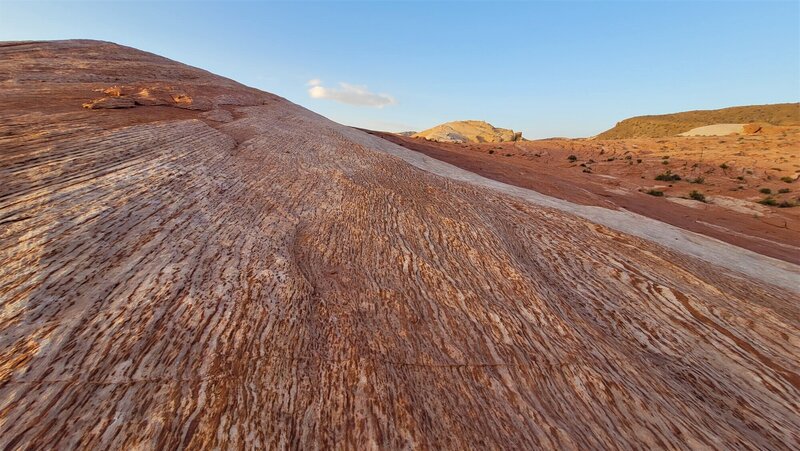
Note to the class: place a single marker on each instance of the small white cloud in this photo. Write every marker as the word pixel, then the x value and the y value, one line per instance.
pixel 349 94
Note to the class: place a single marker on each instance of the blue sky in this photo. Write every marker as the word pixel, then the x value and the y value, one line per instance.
pixel 545 68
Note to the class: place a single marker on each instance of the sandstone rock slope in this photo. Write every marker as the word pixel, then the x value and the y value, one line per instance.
pixel 659 126
pixel 248 274
pixel 469 131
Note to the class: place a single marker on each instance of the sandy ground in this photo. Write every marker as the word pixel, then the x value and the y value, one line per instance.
pixel 617 174
pixel 715 130
pixel 770 270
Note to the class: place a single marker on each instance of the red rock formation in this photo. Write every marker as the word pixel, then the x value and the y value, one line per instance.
pixel 256 276
pixel 618 174
pixel 110 102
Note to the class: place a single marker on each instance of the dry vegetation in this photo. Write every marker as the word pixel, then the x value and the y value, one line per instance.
pixel 659 126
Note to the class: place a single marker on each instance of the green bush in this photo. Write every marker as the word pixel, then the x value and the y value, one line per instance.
pixel 784 190
pixel 572 158
pixel 787 179
pixel 697 180
pixel 768 201
pixel 765 191
pixel 668 176
pixel 697 195
pixel 655 192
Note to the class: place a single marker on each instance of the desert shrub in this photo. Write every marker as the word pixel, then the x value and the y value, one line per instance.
pixel 665 157
pixel 787 204
pixel 491 152
pixel 697 180
pixel 668 176
pixel 664 162
pixel 765 191
pixel 768 201
pixel 628 157
pixel 787 179
pixel 611 159
pixel 655 192
pixel 572 158
pixel 638 160
pixel 697 195
pixel 740 178
pixel 784 190
pixel 724 166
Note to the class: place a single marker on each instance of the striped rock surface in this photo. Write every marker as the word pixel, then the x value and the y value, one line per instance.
pixel 243 273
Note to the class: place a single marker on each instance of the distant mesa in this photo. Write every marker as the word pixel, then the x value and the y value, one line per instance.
pixel 410 133
pixel 469 132
pixel 735 120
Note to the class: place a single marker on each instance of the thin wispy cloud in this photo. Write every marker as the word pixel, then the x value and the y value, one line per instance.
pixel 350 94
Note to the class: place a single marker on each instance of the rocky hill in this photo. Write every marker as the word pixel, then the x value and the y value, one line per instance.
pixel 469 131
pixel 204 265
pixel 664 125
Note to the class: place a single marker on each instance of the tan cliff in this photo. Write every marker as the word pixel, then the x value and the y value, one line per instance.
pixel 469 132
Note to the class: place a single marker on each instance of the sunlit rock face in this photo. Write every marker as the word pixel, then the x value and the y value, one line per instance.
pixel 469 132
pixel 220 268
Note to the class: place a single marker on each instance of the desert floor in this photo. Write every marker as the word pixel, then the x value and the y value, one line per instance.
pixel 730 171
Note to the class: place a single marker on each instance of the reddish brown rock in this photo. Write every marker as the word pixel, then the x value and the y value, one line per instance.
pixel 617 174
pixel 277 280
pixel 750 129
pixel 110 103
pixel 114 91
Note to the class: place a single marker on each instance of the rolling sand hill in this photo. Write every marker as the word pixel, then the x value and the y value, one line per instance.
pixel 660 126
pixel 210 266
pixel 469 132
